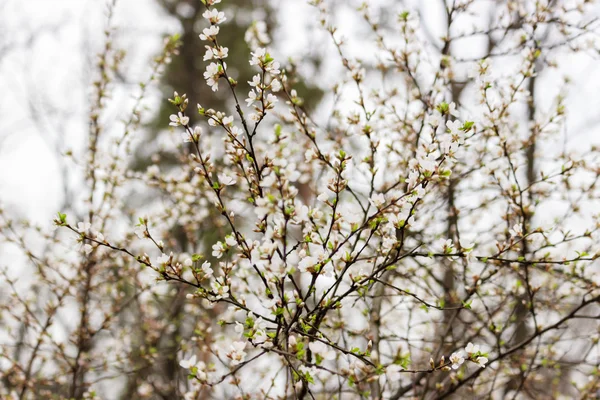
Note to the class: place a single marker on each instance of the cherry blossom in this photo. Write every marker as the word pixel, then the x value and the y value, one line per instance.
pixel 178 119
pixel 214 16
pixel 237 353
pixel 457 359
pixel 209 33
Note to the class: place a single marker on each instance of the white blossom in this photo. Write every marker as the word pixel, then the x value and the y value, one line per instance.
pixel 178 119
pixel 413 178
pixel 324 197
pixel 84 227
pixel 453 110
pixel 472 348
pixel 275 85
pixel 140 231
pixel 481 361
pixel 206 269
pixel 257 56
pixel 226 179
pixel 252 97
pixel 255 82
pixel 230 241
pixel 457 359
pixel 188 364
pixel 228 121
pixel 218 249
pixel 212 74
pixel 163 259
pixel 320 348
pixel 209 33
pixel 87 248
pixel 516 231
pixel 216 52
pixel 447 246
pixel 214 16
pixel 237 353
pixel 377 200
pixel 306 263
pixel 220 291
pixel 271 100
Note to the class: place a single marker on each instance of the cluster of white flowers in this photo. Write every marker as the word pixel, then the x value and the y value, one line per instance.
pixel 215 70
pixel 516 230
pixel 86 231
pixel 219 289
pixel 164 259
pixel 237 353
pixel 214 16
pixel 179 119
pixel 197 368
pixel 259 92
pixel 220 248
pixel 447 246
pixel 212 74
pixel 473 354
pixel 262 59
pixel 315 262
pixel 457 359
pixel 322 350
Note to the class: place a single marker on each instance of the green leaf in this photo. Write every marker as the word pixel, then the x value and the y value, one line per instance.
pixel 443 108
pixel 467 126
pixel 445 173
pixel 403 360
pixel 62 218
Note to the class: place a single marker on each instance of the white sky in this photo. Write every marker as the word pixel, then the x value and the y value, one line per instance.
pixel 46 73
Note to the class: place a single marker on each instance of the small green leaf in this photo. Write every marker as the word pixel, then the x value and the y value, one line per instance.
pixel 467 126
pixel 61 220
pixel 443 108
